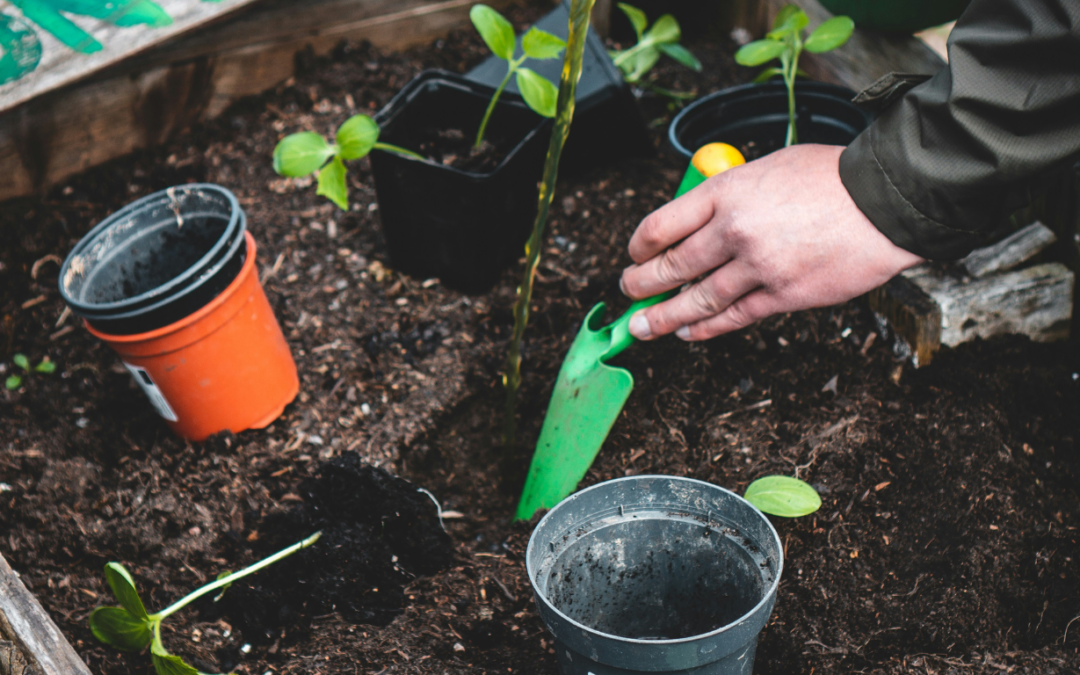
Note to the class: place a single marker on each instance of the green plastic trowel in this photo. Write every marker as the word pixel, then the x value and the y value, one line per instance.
pixel 589 394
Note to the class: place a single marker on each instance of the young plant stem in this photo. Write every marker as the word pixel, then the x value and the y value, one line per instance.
pixel 512 67
pixel 399 150
pixel 790 65
pixel 225 581
pixel 571 71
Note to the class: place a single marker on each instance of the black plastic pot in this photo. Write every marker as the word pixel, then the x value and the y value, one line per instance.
pixel 754 118
pixel 655 574
pixel 156 260
pixel 608 124
pixel 464 228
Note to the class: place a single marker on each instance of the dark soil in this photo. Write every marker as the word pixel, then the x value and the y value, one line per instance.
pixel 453 147
pixel 946 543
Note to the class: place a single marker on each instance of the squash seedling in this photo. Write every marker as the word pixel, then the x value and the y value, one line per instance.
pixel 301 154
pixel 785 41
pixel 783 496
pixel 662 38
pixel 497 33
pixel 15 380
pixel 130 629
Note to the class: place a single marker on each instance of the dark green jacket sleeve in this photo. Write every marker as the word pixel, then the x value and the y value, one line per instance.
pixel 953 157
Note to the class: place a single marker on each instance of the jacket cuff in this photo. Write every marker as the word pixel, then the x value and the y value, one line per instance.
pixel 881 202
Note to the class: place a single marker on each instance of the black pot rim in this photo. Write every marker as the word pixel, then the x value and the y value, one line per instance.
pixel 386 115
pixel 176 286
pixel 753 88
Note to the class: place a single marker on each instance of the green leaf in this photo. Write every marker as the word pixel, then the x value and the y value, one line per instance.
pixel 637 18
pixel 332 183
pixel 357 136
pixel 768 74
pixel 540 44
pixel 759 52
pixel 784 14
pixel 682 55
pixel 540 94
pixel 45 367
pixel 830 35
pixel 13 382
pixel 496 31
pixel 664 31
pixel 21 361
pixel 783 496
pixel 123 587
pixel 170 664
pixel 120 629
pixel 640 63
pixel 299 154
pixel 223 588
pixel 793 22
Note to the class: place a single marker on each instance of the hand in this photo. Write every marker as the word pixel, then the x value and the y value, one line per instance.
pixel 776 235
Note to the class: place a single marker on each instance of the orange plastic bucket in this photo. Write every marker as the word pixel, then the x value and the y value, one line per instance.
pixel 226 366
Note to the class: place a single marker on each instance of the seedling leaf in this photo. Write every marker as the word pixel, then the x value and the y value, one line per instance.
pixel 539 44
pixel 759 52
pixel 637 18
pixel 119 628
pixel 357 136
pixel 46 367
pixel 169 664
pixel 830 34
pixel 21 361
pixel 768 74
pixel 664 31
pixel 13 382
pixel 123 587
pixel 784 14
pixel 223 588
pixel 496 31
pixel 682 55
pixel 640 63
pixel 783 496
pixel 540 94
pixel 794 21
pixel 300 154
pixel 332 183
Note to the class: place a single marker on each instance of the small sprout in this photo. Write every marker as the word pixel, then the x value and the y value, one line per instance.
pixel 300 154
pixel 785 41
pixel 129 628
pixel 783 496
pixel 662 38
pixel 14 381
pixel 497 33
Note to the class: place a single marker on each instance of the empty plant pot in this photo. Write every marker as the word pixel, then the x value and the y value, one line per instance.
pixel 655 574
pixel 754 118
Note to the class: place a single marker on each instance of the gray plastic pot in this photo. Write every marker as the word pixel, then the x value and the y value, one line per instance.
pixel 655 574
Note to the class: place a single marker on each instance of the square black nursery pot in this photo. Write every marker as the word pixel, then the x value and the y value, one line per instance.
pixel 462 227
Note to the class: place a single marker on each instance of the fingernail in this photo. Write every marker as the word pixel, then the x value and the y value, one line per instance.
pixel 683 333
pixel 622 287
pixel 639 326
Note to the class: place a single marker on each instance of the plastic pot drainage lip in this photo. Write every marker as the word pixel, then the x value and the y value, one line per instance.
pixel 655 574
pixel 156 260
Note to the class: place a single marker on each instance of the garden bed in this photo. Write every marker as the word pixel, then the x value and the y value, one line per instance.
pixel 947 540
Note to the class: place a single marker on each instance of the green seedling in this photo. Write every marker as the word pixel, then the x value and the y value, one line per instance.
pixel 130 629
pixel 301 154
pixel 539 93
pixel 662 38
pixel 785 41
pixel 783 496
pixel 15 380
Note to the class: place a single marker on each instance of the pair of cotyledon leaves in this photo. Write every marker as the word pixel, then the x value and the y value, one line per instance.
pixel 783 496
pixel 539 93
pixel 787 28
pixel 662 38
pixel 14 381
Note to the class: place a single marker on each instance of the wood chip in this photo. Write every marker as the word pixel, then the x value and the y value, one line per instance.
pixel 757 406
pixel 61 333
pixel 35 301
pixel 881 486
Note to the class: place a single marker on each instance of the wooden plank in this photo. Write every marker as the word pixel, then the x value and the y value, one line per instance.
pixel 912 315
pixel 74 46
pixel 142 102
pixel 24 623
pixel 1010 252
pixel 12 661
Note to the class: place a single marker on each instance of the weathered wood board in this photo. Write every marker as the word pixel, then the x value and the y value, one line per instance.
pixel 30 643
pixel 51 43
pixel 1017 248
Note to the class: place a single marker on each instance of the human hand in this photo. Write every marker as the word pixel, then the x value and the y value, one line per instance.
pixel 776 235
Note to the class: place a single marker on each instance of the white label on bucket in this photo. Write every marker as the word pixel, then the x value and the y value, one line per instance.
pixel 157 399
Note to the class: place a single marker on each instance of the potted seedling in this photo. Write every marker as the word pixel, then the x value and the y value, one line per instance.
pixel 130 628
pixel 456 162
pixel 764 116
pixel 637 61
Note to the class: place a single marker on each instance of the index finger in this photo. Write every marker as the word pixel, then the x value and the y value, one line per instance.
pixel 671 223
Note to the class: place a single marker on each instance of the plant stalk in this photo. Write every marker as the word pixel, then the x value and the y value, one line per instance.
pixel 511 68
pixel 225 581
pixel 399 150
pixel 791 70
pixel 571 71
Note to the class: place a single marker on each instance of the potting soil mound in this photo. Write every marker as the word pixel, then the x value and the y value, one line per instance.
pixel 379 532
